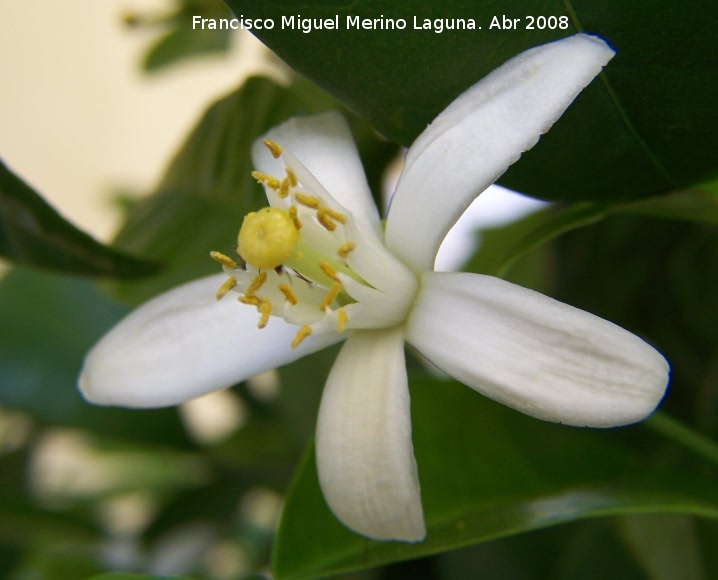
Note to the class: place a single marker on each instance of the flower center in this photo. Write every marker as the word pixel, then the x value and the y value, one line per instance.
pixel 307 260
pixel 267 238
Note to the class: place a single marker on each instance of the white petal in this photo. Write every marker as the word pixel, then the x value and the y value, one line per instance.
pixel 535 354
pixel 365 458
pixel 184 343
pixel 471 143
pixel 325 146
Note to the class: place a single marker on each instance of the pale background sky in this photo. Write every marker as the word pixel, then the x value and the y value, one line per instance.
pixel 78 119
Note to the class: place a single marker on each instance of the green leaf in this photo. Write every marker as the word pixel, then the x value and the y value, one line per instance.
pixel 49 322
pixel 647 126
pixel 665 545
pixel 698 205
pixel 127 576
pixel 486 472
pixel 33 233
pixel 553 223
pixel 182 39
pixel 208 189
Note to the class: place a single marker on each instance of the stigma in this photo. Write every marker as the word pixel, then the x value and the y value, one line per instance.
pixel 267 238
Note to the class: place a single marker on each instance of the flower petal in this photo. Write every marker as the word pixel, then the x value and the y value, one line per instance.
pixel 535 354
pixel 184 343
pixel 471 143
pixel 325 146
pixel 365 458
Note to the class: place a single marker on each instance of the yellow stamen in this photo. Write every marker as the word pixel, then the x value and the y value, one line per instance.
pixel 284 188
pixel 335 215
pixel 323 219
pixel 274 149
pixel 294 217
pixel 265 309
pixel 268 180
pixel 226 287
pixel 307 200
pixel 302 333
pixel 291 176
pixel 251 300
pixel 329 271
pixel 222 259
pixel 345 249
pixel 288 294
pixel 256 284
pixel 331 295
pixel 341 320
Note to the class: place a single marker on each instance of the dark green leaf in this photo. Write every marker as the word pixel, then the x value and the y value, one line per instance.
pixel 487 471
pixel 649 125
pixel 665 545
pixel 32 232
pixel 184 42
pixel 128 576
pixel 49 322
pixel 183 39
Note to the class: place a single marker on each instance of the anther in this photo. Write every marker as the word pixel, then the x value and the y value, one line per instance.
pixel 294 217
pixel 335 215
pixel 251 300
pixel 323 219
pixel 302 333
pixel 268 180
pixel 256 284
pixel 341 320
pixel 222 259
pixel 226 287
pixel 329 271
pixel 274 149
pixel 284 188
pixel 307 200
pixel 345 249
pixel 288 294
pixel 291 176
pixel 265 309
pixel 331 295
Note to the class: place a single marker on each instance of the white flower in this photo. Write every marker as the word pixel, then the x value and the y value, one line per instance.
pixel 316 268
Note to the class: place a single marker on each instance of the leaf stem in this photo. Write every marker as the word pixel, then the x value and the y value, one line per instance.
pixel 683 435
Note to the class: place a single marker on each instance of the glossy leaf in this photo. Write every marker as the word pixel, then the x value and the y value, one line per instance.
pixel 49 322
pixel 129 576
pixel 34 233
pixel 647 126
pixel 487 472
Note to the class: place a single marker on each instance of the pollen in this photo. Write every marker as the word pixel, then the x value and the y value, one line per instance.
pixel 274 149
pixel 307 200
pixel 302 333
pixel 256 284
pixel 222 259
pixel 327 217
pixel 291 176
pixel 226 287
pixel 294 217
pixel 267 238
pixel 265 309
pixel 341 320
pixel 345 249
pixel 331 295
pixel 329 271
pixel 268 180
pixel 288 294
